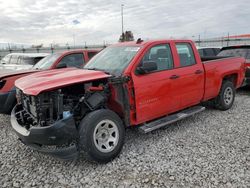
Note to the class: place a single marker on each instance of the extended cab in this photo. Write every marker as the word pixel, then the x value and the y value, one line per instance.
pixel 144 84
pixel 74 58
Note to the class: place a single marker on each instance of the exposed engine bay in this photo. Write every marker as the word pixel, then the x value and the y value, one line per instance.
pixel 48 107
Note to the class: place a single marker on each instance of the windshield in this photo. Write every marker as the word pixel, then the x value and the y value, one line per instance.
pixel 46 62
pixel 237 52
pixel 113 59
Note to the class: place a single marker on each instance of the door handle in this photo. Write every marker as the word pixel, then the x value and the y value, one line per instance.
pixel 174 77
pixel 198 72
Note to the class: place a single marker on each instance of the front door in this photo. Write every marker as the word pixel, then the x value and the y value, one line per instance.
pixel 156 92
pixel 72 60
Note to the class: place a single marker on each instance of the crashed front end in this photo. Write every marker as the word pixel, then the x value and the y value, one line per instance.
pixel 49 121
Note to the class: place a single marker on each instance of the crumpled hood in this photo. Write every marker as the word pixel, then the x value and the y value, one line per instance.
pixel 53 79
pixel 4 73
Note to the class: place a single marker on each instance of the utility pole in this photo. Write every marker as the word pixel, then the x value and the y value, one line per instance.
pixel 199 39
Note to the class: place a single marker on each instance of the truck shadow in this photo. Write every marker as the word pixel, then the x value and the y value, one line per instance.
pixel 243 90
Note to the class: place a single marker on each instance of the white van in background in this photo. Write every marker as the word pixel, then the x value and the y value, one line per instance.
pixel 21 61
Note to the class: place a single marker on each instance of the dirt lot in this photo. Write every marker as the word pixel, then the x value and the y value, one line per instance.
pixel 210 149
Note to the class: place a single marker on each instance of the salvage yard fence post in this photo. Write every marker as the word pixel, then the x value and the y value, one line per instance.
pixel 51 49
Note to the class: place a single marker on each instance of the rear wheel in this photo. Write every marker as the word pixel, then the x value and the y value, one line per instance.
pixel 101 135
pixel 225 99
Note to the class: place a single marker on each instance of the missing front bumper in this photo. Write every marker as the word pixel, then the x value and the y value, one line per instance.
pixel 65 153
pixel 54 139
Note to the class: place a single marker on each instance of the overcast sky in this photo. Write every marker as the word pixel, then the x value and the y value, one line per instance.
pixel 57 21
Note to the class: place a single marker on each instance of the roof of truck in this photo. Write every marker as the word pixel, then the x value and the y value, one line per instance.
pixel 79 50
pixel 142 42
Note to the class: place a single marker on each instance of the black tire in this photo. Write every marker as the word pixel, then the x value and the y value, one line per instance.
pixel 224 101
pixel 91 130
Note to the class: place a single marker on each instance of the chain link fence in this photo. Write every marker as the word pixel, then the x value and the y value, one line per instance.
pixel 201 43
pixel 4 52
pixel 222 42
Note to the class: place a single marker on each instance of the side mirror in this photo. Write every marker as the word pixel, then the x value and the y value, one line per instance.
pixel 61 66
pixel 146 67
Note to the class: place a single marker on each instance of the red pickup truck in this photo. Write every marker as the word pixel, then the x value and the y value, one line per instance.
pixel 145 84
pixel 73 58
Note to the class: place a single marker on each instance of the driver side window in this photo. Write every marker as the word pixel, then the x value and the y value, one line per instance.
pixel 161 55
pixel 73 60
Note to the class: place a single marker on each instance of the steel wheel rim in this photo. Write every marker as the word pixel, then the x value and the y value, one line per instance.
pixel 106 136
pixel 228 95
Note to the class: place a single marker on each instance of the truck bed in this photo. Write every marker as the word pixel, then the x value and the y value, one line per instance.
pixel 208 59
pixel 217 68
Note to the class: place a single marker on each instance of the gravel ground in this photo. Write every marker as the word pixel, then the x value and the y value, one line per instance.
pixel 210 149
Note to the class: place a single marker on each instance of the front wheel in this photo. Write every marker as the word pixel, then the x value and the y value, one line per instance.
pixel 101 135
pixel 225 99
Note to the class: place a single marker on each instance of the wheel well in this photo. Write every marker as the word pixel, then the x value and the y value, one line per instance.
pixel 232 78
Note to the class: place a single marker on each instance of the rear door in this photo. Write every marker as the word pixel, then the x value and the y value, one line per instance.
pixel 156 93
pixel 190 76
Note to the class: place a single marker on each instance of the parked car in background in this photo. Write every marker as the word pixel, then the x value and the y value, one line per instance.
pixel 74 58
pixel 239 51
pixel 21 61
pixel 148 84
pixel 208 51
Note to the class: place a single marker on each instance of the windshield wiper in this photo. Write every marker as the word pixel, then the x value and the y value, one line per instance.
pixel 98 70
pixel 91 68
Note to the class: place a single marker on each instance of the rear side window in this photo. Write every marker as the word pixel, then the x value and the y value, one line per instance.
pixel 91 54
pixel 161 55
pixel 73 60
pixel 209 52
pixel 186 54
